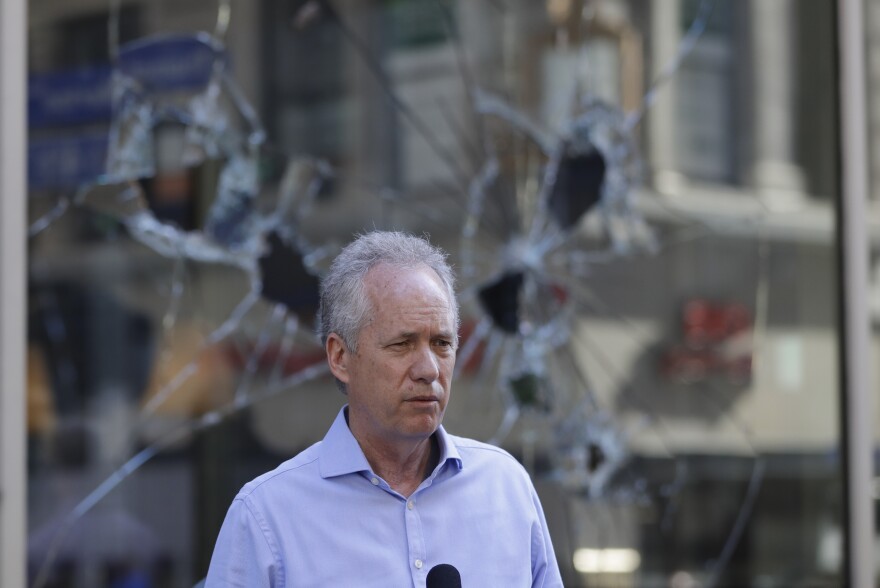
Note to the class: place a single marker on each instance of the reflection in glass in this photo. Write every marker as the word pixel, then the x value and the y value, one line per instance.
pixel 662 361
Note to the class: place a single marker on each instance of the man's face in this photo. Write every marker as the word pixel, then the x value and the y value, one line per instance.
pixel 398 381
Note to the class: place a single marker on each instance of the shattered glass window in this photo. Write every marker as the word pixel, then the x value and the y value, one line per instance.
pixel 638 199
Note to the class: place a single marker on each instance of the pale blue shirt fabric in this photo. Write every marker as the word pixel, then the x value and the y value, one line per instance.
pixel 324 519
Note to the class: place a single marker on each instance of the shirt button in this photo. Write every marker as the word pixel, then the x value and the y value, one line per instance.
pixel 418 564
pixel 375 481
pixel 410 505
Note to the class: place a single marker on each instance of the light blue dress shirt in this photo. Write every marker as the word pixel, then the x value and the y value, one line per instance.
pixel 324 519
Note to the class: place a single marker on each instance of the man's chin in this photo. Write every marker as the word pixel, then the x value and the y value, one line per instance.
pixel 422 427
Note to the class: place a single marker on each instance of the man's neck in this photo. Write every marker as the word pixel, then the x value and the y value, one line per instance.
pixel 404 466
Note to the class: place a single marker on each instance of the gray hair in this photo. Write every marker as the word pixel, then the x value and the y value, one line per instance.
pixel 344 307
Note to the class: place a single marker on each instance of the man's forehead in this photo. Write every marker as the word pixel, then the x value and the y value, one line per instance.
pixel 385 275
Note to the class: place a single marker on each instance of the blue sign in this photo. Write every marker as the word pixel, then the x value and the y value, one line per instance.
pixel 160 64
pixel 64 162
pixel 171 63
pixel 67 98
pixel 64 155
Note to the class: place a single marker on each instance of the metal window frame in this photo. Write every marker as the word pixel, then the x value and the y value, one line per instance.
pixel 13 247
pixel 857 426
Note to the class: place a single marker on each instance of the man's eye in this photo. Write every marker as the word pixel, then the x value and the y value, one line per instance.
pixel 443 343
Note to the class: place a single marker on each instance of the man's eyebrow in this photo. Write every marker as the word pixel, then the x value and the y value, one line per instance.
pixel 396 336
pixel 415 335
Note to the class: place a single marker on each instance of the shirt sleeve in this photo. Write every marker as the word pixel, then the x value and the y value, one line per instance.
pixel 244 556
pixel 545 568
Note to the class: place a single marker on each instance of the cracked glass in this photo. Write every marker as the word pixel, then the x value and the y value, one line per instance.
pixel 638 199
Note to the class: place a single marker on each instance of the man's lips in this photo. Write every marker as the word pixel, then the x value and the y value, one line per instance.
pixel 423 399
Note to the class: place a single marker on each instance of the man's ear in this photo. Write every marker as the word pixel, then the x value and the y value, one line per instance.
pixel 337 357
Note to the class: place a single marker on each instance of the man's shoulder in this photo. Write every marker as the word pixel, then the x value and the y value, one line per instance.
pixel 301 465
pixel 491 465
pixel 471 449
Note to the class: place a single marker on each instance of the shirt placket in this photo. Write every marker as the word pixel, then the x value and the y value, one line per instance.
pixel 416 540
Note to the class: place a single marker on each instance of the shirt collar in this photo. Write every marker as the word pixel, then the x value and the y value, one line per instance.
pixel 340 454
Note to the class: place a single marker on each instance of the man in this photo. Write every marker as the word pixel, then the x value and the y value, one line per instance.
pixel 388 494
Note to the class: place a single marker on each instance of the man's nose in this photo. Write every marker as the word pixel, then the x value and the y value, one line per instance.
pixel 425 365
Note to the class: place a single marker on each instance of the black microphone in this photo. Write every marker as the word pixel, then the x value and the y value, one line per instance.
pixel 443 576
